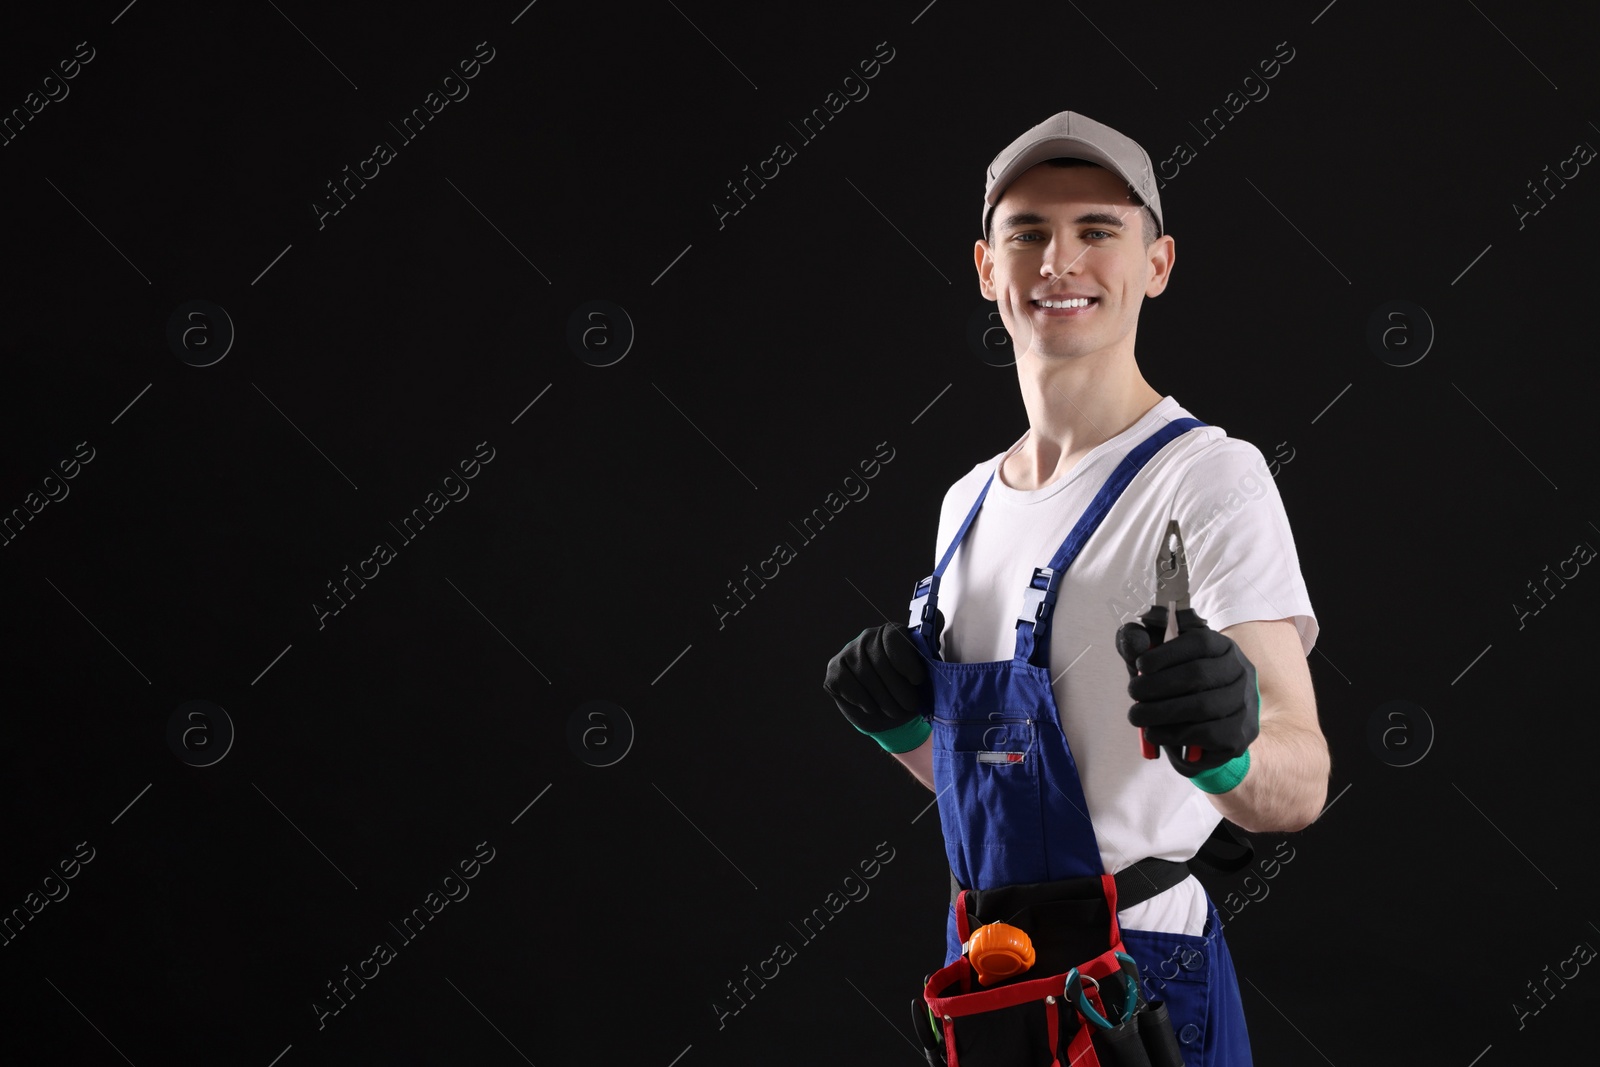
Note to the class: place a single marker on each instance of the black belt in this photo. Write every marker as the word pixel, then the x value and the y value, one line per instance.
pixel 1224 852
pixel 1067 921
pixel 1135 884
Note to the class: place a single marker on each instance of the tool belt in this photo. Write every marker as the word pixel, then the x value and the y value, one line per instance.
pixel 1045 1015
pixel 1080 1001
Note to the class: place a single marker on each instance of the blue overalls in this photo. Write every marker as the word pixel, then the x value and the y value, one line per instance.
pixel 1012 806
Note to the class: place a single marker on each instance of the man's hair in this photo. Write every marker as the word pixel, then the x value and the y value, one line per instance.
pixel 1146 216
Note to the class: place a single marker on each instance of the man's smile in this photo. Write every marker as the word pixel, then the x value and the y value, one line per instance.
pixel 1066 307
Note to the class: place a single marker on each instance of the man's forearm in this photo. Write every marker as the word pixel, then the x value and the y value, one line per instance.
pixel 1287 782
pixel 919 761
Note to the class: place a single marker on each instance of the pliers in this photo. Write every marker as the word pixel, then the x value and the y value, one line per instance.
pixel 1172 573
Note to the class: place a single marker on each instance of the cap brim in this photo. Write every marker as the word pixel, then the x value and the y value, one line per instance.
pixel 1049 148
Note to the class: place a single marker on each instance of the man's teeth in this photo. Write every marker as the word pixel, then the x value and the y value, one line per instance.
pixel 1076 302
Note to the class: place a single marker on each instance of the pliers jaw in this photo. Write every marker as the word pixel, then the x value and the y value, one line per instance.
pixel 1172 569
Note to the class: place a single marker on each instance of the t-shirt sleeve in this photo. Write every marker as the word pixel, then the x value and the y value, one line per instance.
pixel 1242 560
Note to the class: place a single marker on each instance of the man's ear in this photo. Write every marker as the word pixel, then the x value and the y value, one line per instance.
pixel 980 252
pixel 1167 248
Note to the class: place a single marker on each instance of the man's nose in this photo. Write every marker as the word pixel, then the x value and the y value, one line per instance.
pixel 1063 256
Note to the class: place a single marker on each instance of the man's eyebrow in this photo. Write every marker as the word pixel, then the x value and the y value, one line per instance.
pixel 1029 218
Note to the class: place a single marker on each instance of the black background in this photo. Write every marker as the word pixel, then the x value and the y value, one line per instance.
pixel 772 353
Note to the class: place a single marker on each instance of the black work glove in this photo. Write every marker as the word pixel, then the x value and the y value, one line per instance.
pixel 881 684
pixel 1196 689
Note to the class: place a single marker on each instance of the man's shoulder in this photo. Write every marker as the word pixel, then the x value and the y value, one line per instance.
pixel 965 489
pixel 1208 449
pixel 961 494
pixel 968 485
pixel 977 475
pixel 1216 455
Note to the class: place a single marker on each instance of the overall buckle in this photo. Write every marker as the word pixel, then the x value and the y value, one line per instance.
pixel 1038 598
pixel 922 603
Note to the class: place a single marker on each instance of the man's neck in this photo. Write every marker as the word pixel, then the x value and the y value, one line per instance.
pixel 1070 412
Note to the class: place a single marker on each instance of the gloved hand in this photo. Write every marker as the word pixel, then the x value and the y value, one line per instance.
pixel 879 682
pixel 1196 689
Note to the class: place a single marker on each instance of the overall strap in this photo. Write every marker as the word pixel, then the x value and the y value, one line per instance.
pixel 925 597
pixel 1039 599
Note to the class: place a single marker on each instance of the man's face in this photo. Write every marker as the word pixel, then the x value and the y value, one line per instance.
pixel 1070 231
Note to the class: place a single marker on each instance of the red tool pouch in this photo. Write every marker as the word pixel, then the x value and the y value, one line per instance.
pixel 1037 1018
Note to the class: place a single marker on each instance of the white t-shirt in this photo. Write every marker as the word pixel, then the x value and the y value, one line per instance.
pixel 1242 566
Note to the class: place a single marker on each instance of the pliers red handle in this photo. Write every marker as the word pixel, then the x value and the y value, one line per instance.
pixel 1191 753
pixel 1155 624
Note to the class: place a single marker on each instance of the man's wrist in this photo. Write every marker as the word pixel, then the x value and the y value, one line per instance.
pixel 902 738
pixel 1225 777
pixel 1228 775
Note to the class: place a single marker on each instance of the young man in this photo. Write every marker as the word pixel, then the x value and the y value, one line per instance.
pixel 1033 632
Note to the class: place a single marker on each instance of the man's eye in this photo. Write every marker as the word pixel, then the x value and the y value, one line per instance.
pixel 1092 234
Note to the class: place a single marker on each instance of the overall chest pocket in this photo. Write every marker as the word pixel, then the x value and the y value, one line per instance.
pixel 1000 733
pixel 990 793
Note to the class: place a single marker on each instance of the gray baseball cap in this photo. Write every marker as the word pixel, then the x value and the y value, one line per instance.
pixel 1070 134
